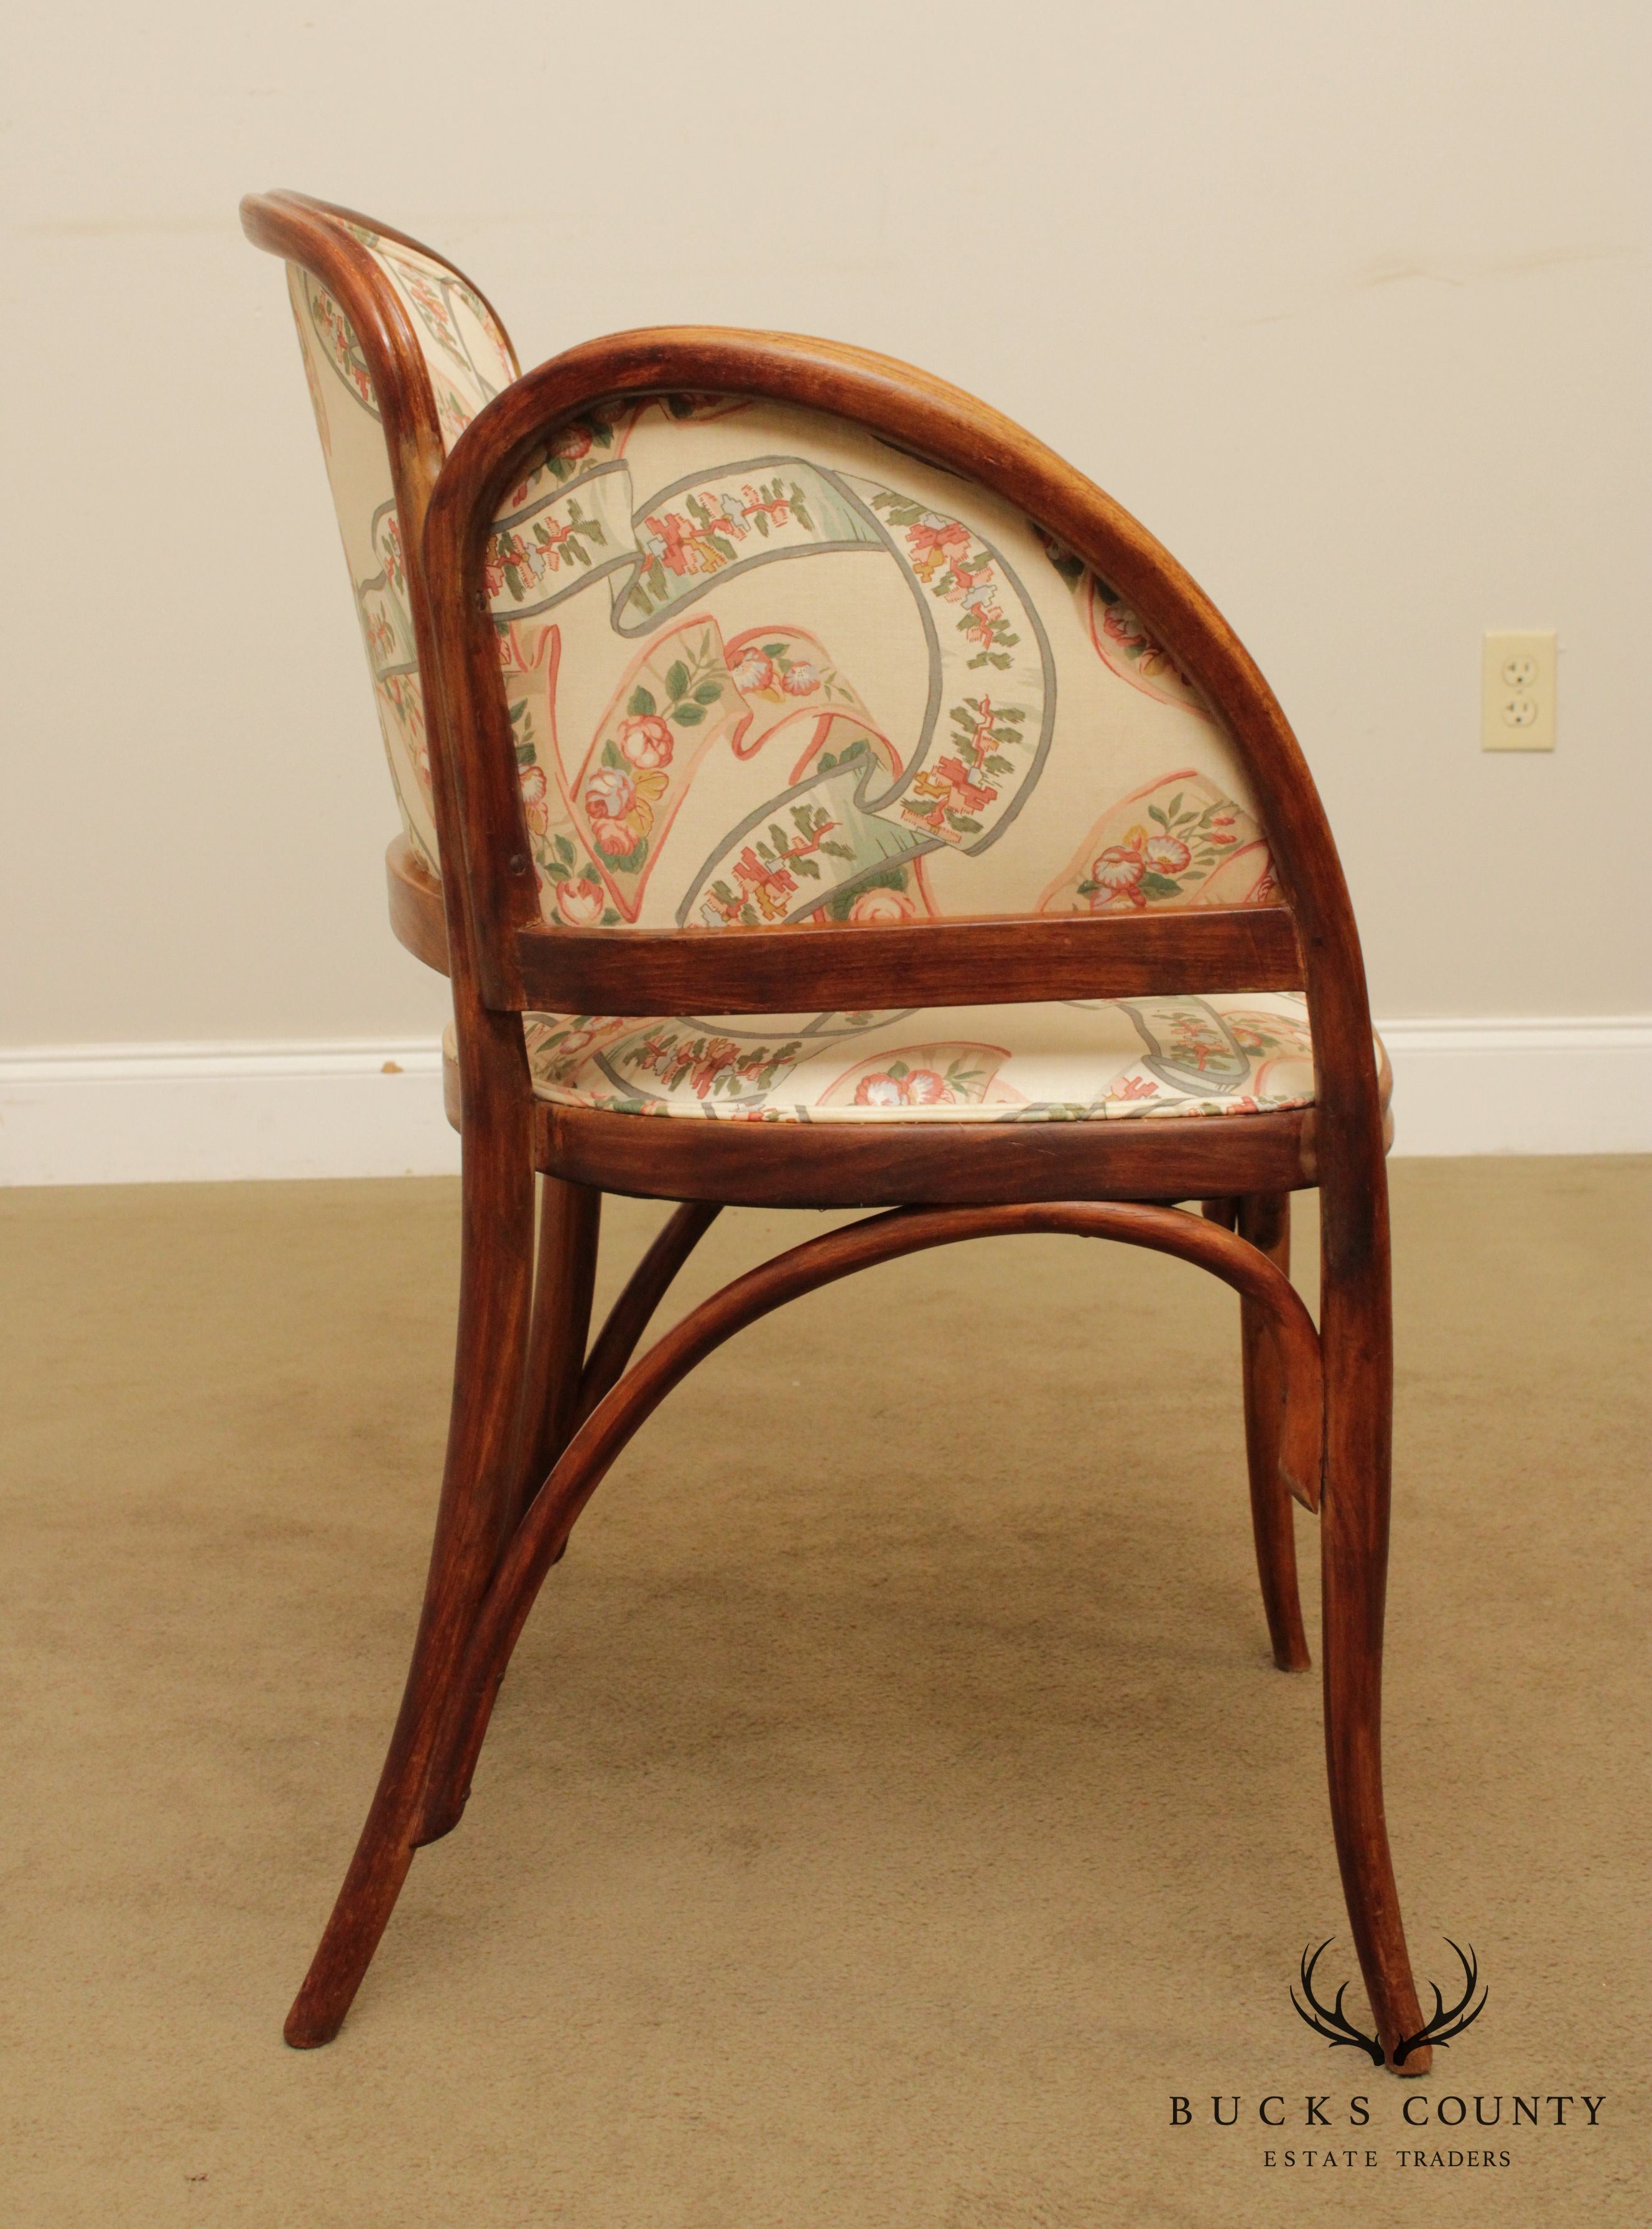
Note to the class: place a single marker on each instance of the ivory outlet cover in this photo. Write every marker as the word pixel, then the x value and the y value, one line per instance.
pixel 1517 691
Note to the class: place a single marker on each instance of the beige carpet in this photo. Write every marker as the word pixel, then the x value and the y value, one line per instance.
pixel 893 1806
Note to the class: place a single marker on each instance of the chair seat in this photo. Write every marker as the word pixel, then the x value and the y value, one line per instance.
pixel 1102 1060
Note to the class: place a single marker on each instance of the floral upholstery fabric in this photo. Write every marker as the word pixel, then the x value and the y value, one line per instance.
pixel 469 360
pixel 1233 1053
pixel 761 667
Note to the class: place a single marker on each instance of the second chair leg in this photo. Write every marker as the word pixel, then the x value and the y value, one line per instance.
pixel 1264 1218
pixel 1353 1559
pixel 564 1274
pixel 495 1284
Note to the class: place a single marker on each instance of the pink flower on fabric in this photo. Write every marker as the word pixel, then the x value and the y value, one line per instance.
pixel 883 905
pixel 617 823
pixel 1122 623
pixel 800 679
pixel 609 793
pixel 964 795
pixel 1118 869
pixel 646 741
pixel 535 799
pixel 931 546
pixel 754 671
pixel 918 1087
pixel 580 903
pixel 1167 855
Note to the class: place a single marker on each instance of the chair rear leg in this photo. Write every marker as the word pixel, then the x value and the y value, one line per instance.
pixel 478 1485
pixel 1264 1218
pixel 564 1274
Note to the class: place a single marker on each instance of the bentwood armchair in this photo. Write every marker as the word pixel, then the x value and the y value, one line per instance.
pixel 819 795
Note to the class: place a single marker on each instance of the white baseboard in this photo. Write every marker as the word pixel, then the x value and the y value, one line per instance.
pixel 148 1114
pixel 1574 1084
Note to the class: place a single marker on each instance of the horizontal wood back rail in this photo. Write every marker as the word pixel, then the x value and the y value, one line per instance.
pixel 580 1470
pixel 943 963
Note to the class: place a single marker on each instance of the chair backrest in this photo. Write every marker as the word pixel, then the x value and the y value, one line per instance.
pixel 401 351
pixel 747 633
pixel 982 739
pixel 761 667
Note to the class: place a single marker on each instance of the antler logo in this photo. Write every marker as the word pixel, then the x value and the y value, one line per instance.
pixel 1331 2022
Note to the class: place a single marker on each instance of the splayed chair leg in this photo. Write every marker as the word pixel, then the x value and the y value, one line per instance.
pixel 496 1278
pixel 1353 1562
pixel 452 1689
pixel 1264 1218
pixel 627 1320
pixel 564 1274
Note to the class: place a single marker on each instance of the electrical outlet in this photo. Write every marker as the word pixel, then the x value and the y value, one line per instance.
pixel 1517 692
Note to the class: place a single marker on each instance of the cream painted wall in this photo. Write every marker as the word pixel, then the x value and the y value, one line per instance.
pixel 1348 304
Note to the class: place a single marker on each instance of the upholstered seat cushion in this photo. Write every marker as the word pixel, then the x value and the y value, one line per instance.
pixel 1233 1053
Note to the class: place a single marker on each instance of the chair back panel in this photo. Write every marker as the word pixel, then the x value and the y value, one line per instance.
pixel 468 358
pixel 763 667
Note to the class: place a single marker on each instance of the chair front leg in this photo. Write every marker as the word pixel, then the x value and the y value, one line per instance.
pixel 564 1274
pixel 1264 1218
pixel 1353 1562
pixel 478 1487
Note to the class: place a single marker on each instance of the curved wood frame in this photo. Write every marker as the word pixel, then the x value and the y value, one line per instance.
pixel 621 1412
pixel 519 1390
pixel 630 1316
